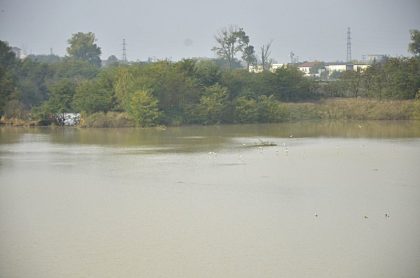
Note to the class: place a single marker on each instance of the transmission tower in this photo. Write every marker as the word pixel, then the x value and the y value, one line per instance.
pixel 124 54
pixel 348 45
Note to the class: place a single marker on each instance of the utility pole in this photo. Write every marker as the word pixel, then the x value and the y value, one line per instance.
pixel 124 55
pixel 348 45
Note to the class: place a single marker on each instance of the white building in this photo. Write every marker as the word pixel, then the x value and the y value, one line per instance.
pixel 336 68
pixel 274 67
pixel 256 68
pixel 259 68
pixel 339 67
pixel 306 67
pixel 18 52
pixel 360 67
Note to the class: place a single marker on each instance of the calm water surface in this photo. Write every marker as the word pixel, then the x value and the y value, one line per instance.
pixel 208 202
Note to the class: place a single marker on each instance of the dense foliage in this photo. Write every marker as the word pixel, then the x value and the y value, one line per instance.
pixel 184 92
pixel 395 78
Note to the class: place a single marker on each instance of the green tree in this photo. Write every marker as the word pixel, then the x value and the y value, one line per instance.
pixel 248 51
pixel 83 47
pixel 111 61
pixel 45 59
pixel 124 86
pixel 61 97
pixel 288 84
pixel 60 102
pixel 246 110
pixel 266 60
pixel 213 103
pixel 230 41
pixel 351 81
pixel 73 69
pixel 144 108
pixel 402 78
pixel 90 96
pixel 269 110
pixel 248 56
pixel 414 46
pixel 8 78
pixel 207 73
pixel 240 83
pixel 33 79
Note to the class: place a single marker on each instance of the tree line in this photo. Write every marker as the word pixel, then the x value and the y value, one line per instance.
pixel 206 91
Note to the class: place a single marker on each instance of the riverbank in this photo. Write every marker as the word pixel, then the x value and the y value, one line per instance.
pixel 354 109
pixel 331 109
pixel 18 122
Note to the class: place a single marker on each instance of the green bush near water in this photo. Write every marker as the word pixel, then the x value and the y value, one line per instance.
pixel 275 112
pixel 355 109
pixel 110 119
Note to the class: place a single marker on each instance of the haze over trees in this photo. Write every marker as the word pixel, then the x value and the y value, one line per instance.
pixel 186 92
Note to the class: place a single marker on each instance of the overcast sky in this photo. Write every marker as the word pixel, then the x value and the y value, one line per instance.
pixel 312 29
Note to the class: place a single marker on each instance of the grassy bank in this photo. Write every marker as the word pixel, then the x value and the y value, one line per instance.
pixel 110 119
pixel 18 122
pixel 354 109
pixel 331 109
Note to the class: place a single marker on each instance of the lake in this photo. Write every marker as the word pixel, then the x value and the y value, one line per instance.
pixel 328 200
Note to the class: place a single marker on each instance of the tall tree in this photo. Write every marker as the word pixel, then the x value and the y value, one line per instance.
pixel 93 96
pixel 112 60
pixel 212 104
pixel 8 78
pixel 248 51
pixel 83 47
pixel 230 41
pixel 266 61
pixel 144 108
pixel 248 56
pixel 61 97
pixel 414 46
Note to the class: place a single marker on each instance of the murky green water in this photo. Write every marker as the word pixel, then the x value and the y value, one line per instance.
pixel 208 202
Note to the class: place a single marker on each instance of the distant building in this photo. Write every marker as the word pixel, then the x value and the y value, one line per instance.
pixel 342 67
pixel 274 67
pixel 316 68
pixel 360 67
pixel 374 58
pixel 259 68
pixel 306 67
pixel 312 69
pixel 255 69
pixel 336 67
pixel 18 52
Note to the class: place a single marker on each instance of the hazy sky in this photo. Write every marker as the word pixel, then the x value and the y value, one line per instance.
pixel 312 29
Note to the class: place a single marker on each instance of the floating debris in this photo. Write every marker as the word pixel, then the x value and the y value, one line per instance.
pixel 260 145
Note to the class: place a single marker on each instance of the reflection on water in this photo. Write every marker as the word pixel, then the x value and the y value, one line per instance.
pixel 200 202
pixel 201 138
